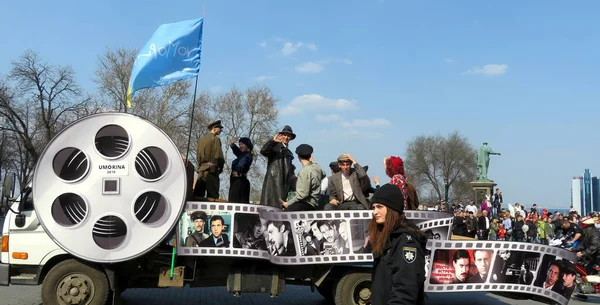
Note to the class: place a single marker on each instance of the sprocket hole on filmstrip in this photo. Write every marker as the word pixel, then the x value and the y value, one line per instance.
pixel 112 142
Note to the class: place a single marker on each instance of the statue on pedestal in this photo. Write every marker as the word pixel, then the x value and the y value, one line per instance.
pixel 483 161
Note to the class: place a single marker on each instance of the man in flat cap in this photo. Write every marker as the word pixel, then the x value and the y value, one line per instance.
pixel 308 185
pixel 198 219
pixel 280 172
pixel 210 162
pixel 345 187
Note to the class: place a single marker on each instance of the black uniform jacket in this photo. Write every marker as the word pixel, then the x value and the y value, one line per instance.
pixel 399 273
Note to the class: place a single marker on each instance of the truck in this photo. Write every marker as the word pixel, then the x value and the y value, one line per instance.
pixel 31 256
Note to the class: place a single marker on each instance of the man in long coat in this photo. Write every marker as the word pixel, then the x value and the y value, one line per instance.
pixel 278 179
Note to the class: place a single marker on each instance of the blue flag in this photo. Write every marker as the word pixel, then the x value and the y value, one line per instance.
pixel 172 54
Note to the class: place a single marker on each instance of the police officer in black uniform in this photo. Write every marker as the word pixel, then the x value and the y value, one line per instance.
pixel 399 266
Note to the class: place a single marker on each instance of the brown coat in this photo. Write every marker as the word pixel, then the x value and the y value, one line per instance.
pixel 413 199
pixel 337 190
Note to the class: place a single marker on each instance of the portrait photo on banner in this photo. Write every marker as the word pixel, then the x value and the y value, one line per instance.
pixel 250 232
pixel 205 229
pixel 280 238
pixel 359 229
pixel 515 267
pixel 557 274
pixel 323 237
pixel 459 266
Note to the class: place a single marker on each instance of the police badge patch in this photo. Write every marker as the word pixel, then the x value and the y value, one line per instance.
pixel 410 254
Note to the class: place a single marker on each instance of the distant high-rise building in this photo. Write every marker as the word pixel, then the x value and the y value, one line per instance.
pixel 577 194
pixel 585 193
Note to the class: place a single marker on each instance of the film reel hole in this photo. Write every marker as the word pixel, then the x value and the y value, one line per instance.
pixel 70 164
pixel 69 209
pixel 150 207
pixel 109 232
pixel 151 163
pixel 112 141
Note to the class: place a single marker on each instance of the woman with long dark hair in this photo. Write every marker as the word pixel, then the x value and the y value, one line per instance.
pixel 399 251
pixel 239 185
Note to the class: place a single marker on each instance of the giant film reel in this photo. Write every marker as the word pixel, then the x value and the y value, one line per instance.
pixel 109 187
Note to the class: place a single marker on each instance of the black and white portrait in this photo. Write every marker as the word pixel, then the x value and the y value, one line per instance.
pixel 250 232
pixel 280 238
pixel 323 237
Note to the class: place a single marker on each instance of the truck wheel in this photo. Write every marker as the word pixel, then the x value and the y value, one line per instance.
pixel 71 282
pixel 353 289
pixel 326 290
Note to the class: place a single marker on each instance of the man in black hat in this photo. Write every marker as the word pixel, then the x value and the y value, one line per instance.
pixel 278 179
pixel 210 162
pixel 198 220
pixel 308 185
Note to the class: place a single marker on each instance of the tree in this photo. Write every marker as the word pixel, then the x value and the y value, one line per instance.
pixel 37 100
pixel 164 106
pixel 435 163
pixel 112 76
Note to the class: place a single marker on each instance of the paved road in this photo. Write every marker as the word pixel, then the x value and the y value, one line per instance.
pixel 294 295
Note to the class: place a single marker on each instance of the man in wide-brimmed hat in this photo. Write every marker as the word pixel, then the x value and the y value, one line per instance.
pixel 278 179
pixel 210 162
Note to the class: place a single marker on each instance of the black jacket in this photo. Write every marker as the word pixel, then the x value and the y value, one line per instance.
pixel 590 245
pixel 399 273
pixel 278 179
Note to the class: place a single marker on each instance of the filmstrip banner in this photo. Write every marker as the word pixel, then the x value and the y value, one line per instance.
pixel 459 266
pixel 288 238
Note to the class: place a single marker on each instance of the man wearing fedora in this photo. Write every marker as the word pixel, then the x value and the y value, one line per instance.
pixel 210 162
pixel 278 179
pixel 345 188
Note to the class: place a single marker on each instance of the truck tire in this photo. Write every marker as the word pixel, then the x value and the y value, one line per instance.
pixel 71 282
pixel 353 289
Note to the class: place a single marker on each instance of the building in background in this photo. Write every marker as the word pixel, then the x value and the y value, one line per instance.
pixel 577 194
pixel 585 193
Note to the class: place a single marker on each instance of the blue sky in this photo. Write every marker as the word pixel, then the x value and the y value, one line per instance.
pixel 364 77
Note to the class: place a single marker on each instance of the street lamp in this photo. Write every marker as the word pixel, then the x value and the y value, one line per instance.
pixel 446 194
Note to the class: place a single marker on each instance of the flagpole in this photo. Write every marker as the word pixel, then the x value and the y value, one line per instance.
pixel 187 153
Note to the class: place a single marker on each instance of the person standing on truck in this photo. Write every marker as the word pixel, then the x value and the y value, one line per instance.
pixel 239 185
pixel 280 172
pixel 308 184
pixel 210 162
pixel 398 249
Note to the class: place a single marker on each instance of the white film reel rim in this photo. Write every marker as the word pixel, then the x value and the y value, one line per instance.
pixel 174 192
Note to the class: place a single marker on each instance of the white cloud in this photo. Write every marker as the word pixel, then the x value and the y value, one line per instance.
pixel 290 48
pixel 319 66
pixel 215 89
pixel 263 78
pixel 309 67
pixel 328 118
pixel 313 102
pixel 449 60
pixel 488 70
pixel 377 122
pixel 262 44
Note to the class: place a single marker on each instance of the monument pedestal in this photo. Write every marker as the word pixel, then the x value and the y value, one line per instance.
pixel 481 189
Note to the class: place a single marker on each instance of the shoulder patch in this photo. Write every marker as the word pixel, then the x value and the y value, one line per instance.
pixel 409 254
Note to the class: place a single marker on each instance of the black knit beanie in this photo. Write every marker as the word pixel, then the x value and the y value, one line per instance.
pixel 389 195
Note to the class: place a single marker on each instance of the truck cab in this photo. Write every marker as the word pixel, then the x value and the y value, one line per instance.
pixel 28 252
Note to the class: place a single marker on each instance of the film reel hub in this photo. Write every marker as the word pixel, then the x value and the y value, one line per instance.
pixel 109 187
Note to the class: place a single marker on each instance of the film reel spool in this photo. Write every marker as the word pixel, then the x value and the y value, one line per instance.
pixel 109 187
